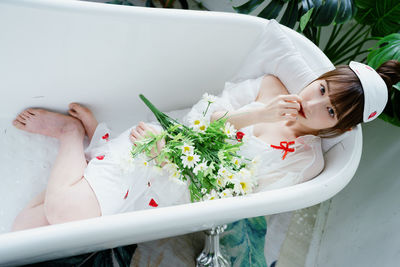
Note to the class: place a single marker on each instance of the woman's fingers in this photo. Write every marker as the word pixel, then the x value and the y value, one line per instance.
pixel 135 134
pixel 289 114
pixel 142 130
pixel 291 101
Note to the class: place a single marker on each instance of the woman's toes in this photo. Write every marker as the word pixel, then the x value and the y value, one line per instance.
pixel 31 111
pixel 73 113
pixel 20 119
pixel 74 106
pixel 26 114
pixel 18 124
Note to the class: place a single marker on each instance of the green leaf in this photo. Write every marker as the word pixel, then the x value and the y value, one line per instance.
pixel 383 16
pixel 272 10
pixel 248 7
pixel 243 242
pixel 289 18
pixel 120 2
pixel 346 11
pixel 326 13
pixel 385 49
pixel 124 254
pixel 305 18
pixel 388 48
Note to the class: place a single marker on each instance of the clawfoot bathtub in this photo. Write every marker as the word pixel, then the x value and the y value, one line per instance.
pixel 103 56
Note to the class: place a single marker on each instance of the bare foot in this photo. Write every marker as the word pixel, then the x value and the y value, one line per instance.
pixel 85 116
pixel 47 123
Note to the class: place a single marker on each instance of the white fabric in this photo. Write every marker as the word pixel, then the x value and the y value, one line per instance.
pixel 112 176
pixel 276 54
pixel 375 90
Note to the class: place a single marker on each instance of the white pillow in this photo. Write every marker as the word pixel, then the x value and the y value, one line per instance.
pixel 276 54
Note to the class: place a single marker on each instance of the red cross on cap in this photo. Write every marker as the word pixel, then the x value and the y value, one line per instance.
pixel 372 115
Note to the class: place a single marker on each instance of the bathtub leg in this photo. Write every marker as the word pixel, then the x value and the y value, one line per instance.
pixel 211 255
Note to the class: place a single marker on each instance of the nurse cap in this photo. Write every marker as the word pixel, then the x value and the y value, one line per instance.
pixel 375 90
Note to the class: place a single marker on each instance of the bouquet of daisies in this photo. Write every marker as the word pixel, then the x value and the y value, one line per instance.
pixel 204 155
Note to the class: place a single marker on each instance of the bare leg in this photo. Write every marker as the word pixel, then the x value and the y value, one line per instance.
pixel 32 215
pixel 68 196
pixel 85 116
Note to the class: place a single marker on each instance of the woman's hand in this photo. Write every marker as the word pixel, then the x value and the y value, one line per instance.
pixel 141 131
pixel 282 107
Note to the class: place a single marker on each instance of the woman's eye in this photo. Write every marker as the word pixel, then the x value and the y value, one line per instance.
pixel 331 112
pixel 322 89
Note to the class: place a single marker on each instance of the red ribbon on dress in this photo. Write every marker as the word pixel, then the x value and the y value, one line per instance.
pixel 285 148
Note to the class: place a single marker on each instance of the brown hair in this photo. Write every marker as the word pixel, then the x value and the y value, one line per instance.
pixel 347 96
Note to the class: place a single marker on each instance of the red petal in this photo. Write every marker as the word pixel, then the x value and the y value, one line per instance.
pixel 372 115
pixel 100 157
pixel 127 192
pixel 153 203
pixel 239 136
pixel 105 136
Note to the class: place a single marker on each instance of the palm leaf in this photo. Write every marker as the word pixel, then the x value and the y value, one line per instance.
pixel 326 13
pixel 386 49
pixel 383 16
pixel 243 242
pixel 290 16
pixel 246 8
pixel 272 10
pixel 345 12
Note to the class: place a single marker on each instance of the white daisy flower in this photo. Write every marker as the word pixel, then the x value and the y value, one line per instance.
pixel 200 167
pixel 226 193
pixel 245 174
pixel 195 123
pixel 237 187
pixel 221 181
pixel 170 167
pixel 142 160
pixel 229 176
pixel 209 98
pixel 175 175
pixel 229 130
pixel 203 191
pixel 200 125
pixel 190 160
pixel 247 186
pixel 213 195
pixel 222 171
pixel 255 160
pixel 203 127
pixel 187 149
pixel 236 161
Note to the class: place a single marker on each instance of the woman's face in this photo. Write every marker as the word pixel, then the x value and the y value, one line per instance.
pixel 317 107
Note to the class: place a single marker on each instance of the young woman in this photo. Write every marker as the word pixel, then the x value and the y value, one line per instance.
pixel 284 131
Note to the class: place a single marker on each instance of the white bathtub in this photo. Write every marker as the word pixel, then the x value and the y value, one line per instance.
pixel 56 52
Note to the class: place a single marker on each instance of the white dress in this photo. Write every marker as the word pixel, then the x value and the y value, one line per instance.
pixel 123 185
